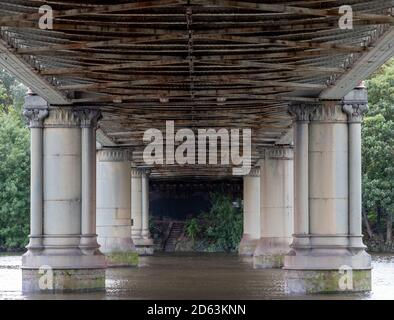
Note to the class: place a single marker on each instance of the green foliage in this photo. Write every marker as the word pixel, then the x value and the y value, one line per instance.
pixel 192 228
pixel 12 93
pixel 378 146
pixel 220 229
pixel 14 181
pixel 14 166
pixel 224 224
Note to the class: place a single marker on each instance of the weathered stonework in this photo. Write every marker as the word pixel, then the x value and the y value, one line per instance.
pixel 281 153
pixel 35 117
pixel 329 112
pixel 247 246
pixel 122 259
pixel 89 117
pixel 326 281
pixel 355 111
pixel 302 111
pixel 268 261
pixel 62 117
pixel 67 280
pixel 144 247
pixel 114 154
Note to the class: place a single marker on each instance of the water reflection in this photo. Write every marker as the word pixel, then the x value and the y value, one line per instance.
pixel 195 276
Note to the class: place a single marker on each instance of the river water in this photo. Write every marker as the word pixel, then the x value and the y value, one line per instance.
pixel 195 276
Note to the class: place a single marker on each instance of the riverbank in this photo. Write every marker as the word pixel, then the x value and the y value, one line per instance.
pixel 379 246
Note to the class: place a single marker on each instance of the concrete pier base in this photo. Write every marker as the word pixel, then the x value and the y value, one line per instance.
pixel 122 259
pixel 327 281
pixel 63 280
pixel 247 245
pixel 144 247
pixel 57 272
pixel 270 252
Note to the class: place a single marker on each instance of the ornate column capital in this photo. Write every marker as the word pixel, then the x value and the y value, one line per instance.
pixel 114 154
pixel 355 111
pixel 254 172
pixel 279 153
pixel 135 172
pixel 330 111
pixel 303 111
pixel 62 117
pixel 145 171
pixel 35 117
pixel 89 117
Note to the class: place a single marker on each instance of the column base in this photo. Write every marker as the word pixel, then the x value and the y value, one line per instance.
pixel 247 246
pixel 63 280
pixel 327 281
pixel 50 270
pixel 327 269
pixel 122 259
pixel 119 252
pixel 270 252
pixel 144 247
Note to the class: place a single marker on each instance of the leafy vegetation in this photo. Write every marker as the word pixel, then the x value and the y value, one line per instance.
pixel 378 155
pixel 221 228
pixel 14 166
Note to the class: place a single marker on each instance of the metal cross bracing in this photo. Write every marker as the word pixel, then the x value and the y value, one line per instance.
pixel 203 64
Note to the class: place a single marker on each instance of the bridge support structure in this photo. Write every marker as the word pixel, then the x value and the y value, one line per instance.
pixel 63 253
pixel 327 253
pixel 114 206
pixel 251 232
pixel 276 211
pixel 140 211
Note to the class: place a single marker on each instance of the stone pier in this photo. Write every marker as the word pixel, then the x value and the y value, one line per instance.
pixel 251 232
pixel 140 211
pixel 114 206
pixel 327 252
pixel 63 253
pixel 276 212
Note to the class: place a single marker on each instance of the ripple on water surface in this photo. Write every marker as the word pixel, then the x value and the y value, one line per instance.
pixel 195 276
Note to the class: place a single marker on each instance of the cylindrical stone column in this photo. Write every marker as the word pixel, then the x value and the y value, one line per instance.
pixel 276 176
pixel 114 206
pixel 301 166
pixel 89 118
pixel 62 210
pixel 355 111
pixel 35 113
pixel 140 211
pixel 145 234
pixel 320 266
pixel 136 203
pixel 62 181
pixel 251 232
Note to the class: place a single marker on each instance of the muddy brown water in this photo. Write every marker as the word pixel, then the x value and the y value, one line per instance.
pixel 195 276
